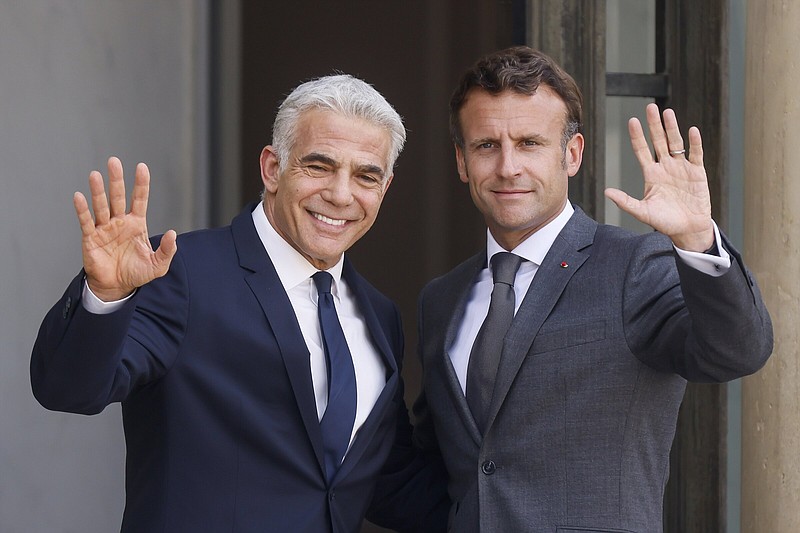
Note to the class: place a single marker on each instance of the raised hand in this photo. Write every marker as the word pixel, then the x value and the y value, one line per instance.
pixel 117 255
pixel 676 199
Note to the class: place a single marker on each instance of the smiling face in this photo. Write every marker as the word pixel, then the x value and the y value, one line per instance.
pixel 332 187
pixel 514 161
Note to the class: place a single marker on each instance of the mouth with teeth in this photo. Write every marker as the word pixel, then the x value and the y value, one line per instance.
pixel 328 220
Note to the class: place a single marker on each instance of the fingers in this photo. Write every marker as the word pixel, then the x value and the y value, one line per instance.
pixel 114 205
pixel 116 187
pixel 695 146
pixel 99 199
pixel 141 190
pixel 638 142
pixel 674 139
pixel 84 216
pixel 657 134
pixel 105 207
pixel 666 137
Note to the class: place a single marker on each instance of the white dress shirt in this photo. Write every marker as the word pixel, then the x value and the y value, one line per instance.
pixel 295 274
pixel 533 250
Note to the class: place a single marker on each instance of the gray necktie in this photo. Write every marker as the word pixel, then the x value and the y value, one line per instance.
pixel 485 355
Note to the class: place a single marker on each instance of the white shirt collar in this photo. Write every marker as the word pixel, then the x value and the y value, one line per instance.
pixel 535 247
pixel 291 266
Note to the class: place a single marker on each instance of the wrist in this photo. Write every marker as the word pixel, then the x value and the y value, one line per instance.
pixel 703 242
pixel 108 295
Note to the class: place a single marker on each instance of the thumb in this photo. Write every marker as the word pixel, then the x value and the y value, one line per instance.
pixel 622 200
pixel 165 252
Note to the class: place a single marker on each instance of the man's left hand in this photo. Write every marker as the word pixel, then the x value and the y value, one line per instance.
pixel 676 199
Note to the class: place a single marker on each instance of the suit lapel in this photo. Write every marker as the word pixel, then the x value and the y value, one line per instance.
pixel 562 261
pixel 358 287
pixel 266 286
pixel 366 433
pixel 453 306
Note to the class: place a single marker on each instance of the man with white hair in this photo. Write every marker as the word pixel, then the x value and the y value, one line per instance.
pixel 259 374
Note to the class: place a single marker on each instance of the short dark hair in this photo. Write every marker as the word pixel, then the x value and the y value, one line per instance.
pixel 520 69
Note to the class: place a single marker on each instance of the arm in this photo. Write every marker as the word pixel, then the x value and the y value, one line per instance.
pixel 82 361
pixel 702 327
pixel 411 493
pixel 705 328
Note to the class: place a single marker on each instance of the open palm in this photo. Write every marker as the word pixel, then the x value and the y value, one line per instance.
pixel 117 255
pixel 676 199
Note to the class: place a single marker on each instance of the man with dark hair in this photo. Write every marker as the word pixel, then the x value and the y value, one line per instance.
pixel 552 380
pixel 259 373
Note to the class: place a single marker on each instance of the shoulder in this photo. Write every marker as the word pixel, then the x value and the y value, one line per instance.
pixel 445 291
pixel 462 274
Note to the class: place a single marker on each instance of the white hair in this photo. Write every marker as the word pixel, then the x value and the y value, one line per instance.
pixel 342 94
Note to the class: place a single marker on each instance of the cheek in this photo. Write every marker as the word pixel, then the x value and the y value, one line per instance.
pixel 370 202
pixel 558 188
pixel 371 212
pixel 296 196
pixel 476 177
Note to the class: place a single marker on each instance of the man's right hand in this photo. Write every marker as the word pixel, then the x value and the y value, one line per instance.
pixel 117 255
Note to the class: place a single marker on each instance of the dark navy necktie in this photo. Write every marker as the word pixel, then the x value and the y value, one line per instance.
pixel 340 414
pixel 485 355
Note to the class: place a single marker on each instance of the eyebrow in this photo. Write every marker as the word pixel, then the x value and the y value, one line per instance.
pixel 528 137
pixel 367 168
pixel 371 169
pixel 316 157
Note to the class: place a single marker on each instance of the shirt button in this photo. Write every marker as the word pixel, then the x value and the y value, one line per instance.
pixel 488 468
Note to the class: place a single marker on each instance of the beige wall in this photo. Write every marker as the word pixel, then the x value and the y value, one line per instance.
pixel 771 398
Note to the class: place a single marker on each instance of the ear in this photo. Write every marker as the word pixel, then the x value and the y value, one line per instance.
pixel 269 169
pixel 574 154
pixel 461 164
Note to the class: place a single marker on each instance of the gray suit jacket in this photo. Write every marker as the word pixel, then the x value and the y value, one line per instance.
pixel 592 374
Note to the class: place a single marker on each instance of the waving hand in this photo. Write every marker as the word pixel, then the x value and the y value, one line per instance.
pixel 676 199
pixel 117 255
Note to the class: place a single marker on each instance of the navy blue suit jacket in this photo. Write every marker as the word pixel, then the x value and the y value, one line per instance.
pixel 218 408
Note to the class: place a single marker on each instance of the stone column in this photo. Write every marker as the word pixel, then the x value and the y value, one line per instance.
pixel 771 398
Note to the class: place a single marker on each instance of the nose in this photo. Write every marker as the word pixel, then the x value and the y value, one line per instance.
pixel 338 190
pixel 509 165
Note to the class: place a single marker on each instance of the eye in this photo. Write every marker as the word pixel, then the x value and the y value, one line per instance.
pixel 486 145
pixel 530 142
pixel 316 170
pixel 369 179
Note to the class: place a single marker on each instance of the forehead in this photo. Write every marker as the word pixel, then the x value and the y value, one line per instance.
pixel 543 111
pixel 344 138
